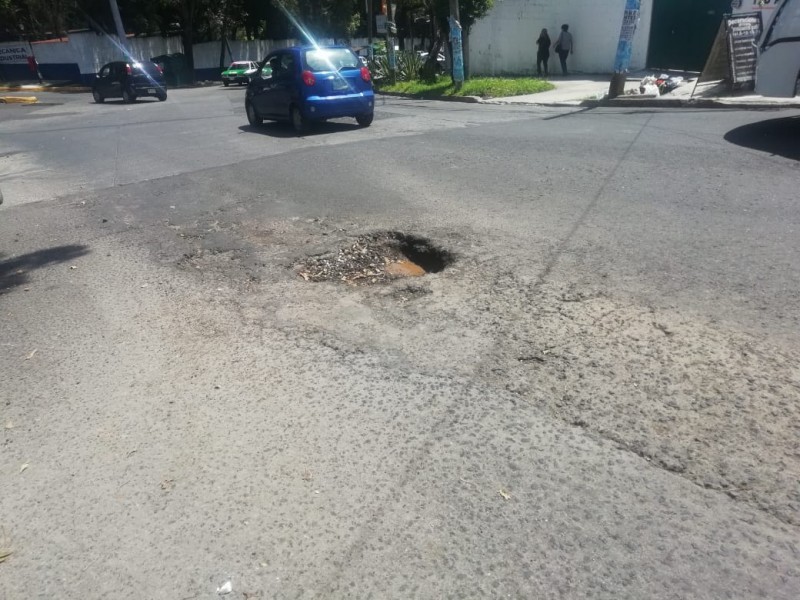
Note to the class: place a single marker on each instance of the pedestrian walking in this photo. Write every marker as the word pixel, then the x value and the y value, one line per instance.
pixel 543 53
pixel 564 47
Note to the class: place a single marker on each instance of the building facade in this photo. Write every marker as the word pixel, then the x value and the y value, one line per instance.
pixel 672 34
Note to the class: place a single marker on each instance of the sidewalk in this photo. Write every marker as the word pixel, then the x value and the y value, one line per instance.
pixel 591 90
pixel 573 90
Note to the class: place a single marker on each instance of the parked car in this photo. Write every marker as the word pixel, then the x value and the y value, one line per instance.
pixel 306 84
pixel 239 72
pixel 441 61
pixel 129 81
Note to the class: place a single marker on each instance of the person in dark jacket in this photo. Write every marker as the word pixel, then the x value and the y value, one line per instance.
pixel 543 53
pixel 564 47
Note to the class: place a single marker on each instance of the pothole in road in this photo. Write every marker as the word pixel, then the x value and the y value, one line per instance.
pixel 377 258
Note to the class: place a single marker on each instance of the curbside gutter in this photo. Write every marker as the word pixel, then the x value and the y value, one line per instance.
pixel 680 103
pixel 85 89
pixel 614 103
pixel 467 99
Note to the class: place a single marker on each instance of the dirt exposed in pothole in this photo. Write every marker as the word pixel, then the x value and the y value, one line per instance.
pixel 376 258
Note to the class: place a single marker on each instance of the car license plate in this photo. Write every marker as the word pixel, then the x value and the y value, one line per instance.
pixel 339 83
pixel 151 90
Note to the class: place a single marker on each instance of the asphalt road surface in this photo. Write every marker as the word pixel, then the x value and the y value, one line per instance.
pixel 597 396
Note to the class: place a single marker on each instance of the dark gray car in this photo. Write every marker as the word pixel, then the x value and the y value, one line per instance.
pixel 129 81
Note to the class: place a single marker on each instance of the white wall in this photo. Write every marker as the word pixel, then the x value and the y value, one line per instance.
pixel 504 41
pixel 206 55
pixel 91 51
pixel 767 11
pixel 57 52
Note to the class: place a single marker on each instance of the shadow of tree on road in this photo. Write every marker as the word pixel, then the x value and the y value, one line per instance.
pixel 14 271
pixel 776 136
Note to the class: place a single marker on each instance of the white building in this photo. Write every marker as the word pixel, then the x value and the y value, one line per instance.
pixel 504 42
pixel 671 33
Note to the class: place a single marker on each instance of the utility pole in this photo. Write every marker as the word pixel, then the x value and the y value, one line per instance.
pixel 369 27
pixel 123 40
pixel 455 40
pixel 391 30
pixel 624 48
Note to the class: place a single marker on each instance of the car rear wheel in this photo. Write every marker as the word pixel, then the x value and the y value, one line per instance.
pixel 299 122
pixel 252 116
pixel 128 96
pixel 365 120
pixel 98 97
pixel 162 96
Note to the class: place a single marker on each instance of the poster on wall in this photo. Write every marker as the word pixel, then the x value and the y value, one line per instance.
pixel 630 20
pixel 13 53
pixel 748 6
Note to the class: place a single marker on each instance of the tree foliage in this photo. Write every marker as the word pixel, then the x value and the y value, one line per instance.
pixel 212 19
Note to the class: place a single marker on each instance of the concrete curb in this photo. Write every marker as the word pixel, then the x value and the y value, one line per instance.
pixel 44 88
pixel 655 103
pixel 466 99
pixel 18 99
pixel 699 103
pixel 85 89
pixel 613 103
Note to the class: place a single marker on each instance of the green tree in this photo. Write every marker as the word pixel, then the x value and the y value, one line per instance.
pixel 36 18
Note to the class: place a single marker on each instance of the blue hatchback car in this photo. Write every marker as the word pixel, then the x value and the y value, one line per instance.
pixel 309 83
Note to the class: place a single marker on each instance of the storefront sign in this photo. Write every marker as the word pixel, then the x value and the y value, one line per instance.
pixel 743 32
pixel 13 54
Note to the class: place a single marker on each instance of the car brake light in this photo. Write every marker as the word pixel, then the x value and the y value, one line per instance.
pixel 308 78
pixel 365 74
pixel 160 70
pixel 128 70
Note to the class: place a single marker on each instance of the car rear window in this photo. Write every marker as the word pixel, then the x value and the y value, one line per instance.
pixel 149 68
pixel 239 65
pixel 331 59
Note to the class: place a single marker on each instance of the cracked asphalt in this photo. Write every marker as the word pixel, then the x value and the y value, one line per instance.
pixel 597 398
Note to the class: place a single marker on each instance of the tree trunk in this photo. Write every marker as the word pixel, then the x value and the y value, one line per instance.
pixel 187 36
pixel 429 69
pixel 465 47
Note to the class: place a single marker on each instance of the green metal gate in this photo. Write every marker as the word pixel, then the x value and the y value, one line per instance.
pixel 682 32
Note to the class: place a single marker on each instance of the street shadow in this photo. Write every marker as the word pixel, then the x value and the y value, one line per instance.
pixel 780 137
pixel 121 102
pixel 14 271
pixel 284 130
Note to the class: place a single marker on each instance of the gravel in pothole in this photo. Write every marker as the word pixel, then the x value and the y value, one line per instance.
pixel 376 258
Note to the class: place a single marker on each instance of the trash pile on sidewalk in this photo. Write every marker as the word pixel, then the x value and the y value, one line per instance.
pixel 653 87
